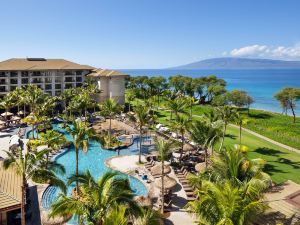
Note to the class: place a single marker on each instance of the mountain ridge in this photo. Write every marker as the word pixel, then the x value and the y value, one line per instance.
pixel 240 63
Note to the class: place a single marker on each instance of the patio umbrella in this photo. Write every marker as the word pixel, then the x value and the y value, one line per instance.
pixel 7 114
pixel 15 118
pixel 169 182
pixel 200 167
pixel 20 113
pixel 156 170
pixel 2 122
pixel 188 147
pixel 143 201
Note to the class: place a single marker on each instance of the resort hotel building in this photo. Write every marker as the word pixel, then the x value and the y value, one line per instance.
pixel 56 75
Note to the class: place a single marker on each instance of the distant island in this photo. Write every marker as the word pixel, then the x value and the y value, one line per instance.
pixel 240 63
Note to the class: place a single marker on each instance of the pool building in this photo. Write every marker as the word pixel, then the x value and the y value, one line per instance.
pixel 56 75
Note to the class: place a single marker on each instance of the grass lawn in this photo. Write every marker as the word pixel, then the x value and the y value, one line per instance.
pixel 281 164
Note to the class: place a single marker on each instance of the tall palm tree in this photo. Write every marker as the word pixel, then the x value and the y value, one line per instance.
pixel 7 103
pixel 226 114
pixel 28 166
pixel 67 96
pixel 240 120
pixel 81 135
pixel 130 96
pixel 141 117
pixel 181 125
pixel 176 106
pixel 230 205
pixel 206 135
pixel 191 101
pixel 164 149
pixel 110 108
pixel 34 97
pixel 234 165
pixel 53 140
pixel 98 199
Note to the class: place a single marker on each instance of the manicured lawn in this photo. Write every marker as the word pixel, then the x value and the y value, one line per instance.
pixel 281 164
pixel 275 126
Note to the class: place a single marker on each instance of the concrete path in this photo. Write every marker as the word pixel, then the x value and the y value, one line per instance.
pixel 268 139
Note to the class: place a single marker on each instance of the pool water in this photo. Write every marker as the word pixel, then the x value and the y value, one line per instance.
pixel 94 161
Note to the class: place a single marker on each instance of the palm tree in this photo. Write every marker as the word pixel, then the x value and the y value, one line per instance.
pixel 191 101
pixel 181 125
pixel 34 120
pixel 130 96
pixel 147 217
pixel 28 167
pixel 98 199
pixel 234 165
pixel 53 140
pixel 141 117
pixel 164 149
pixel 7 103
pixel 230 205
pixel 240 120
pixel 226 114
pixel 110 108
pixel 34 97
pixel 81 135
pixel 177 105
pixel 67 96
pixel 206 135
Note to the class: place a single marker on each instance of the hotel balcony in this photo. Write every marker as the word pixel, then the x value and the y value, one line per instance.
pixel 37 81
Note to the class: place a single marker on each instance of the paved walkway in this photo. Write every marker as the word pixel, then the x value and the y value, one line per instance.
pixel 268 139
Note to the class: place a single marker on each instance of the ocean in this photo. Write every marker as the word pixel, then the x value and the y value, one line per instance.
pixel 260 84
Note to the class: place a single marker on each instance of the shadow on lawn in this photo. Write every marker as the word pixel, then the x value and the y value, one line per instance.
pixel 260 116
pixel 271 169
pixel 295 165
pixel 268 151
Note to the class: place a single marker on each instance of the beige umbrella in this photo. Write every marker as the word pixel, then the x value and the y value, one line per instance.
pixel 188 147
pixel 169 182
pixel 15 118
pixel 156 170
pixel 143 201
pixel 200 167
pixel 7 114
pixel 2 122
pixel 20 113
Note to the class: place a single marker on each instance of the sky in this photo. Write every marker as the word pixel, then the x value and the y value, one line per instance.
pixel 124 34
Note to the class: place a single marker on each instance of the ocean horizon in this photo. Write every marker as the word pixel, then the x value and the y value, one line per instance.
pixel 260 84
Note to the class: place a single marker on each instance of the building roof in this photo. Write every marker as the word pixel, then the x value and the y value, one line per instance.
pixel 10 189
pixel 41 64
pixel 106 73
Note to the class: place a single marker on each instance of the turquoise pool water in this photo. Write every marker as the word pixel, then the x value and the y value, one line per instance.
pixel 93 160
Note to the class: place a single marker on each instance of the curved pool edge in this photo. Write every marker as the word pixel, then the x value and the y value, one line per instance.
pixel 129 173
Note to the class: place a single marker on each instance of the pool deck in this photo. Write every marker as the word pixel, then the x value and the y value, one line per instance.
pixel 129 164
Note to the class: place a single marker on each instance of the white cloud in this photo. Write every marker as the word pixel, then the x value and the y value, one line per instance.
pixel 264 51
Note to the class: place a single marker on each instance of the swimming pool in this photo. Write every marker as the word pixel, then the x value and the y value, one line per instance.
pixel 94 161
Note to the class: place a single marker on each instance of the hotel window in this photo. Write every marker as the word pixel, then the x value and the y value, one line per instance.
pixel 25 80
pixel 13 88
pixel 36 73
pixel 78 79
pixel 78 72
pixel 2 74
pixel 48 86
pixel 39 86
pixel 13 81
pixel 68 73
pixel 68 86
pixel 2 81
pixel 78 84
pixel 13 74
pixel 2 89
pixel 24 74
pixel 48 80
pixel 58 79
pixel 57 86
pixel 69 79
pixel 37 80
